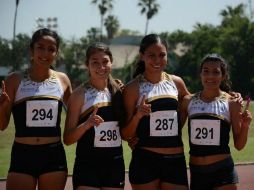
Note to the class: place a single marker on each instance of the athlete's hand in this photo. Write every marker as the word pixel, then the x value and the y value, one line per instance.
pixel 246 116
pixel 132 142
pixel 94 120
pixel 235 96
pixel 4 96
pixel 143 109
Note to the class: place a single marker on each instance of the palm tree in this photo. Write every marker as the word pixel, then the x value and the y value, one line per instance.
pixel 150 8
pixel 232 12
pixel 112 25
pixel 104 6
pixel 93 34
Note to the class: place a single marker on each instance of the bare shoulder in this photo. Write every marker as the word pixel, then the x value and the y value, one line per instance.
pixel 77 96
pixel 15 76
pixel 177 80
pixel 181 87
pixel 131 87
pixel 79 91
pixel 62 76
pixel 65 81
pixel 186 100
pixel 13 79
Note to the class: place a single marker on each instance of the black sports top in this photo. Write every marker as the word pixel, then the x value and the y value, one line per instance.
pixel 209 126
pixel 103 141
pixel 161 128
pixel 37 107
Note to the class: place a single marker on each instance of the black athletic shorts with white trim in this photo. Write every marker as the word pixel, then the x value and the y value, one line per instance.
pixel 36 160
pixel 213 175
pixel 103 172
pixel 147 166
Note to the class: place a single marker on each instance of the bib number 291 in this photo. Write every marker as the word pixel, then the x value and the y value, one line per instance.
pixel 205 132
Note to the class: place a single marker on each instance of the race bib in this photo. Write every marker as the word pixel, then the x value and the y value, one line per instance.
pixel 41 113
pixel 205 132
pixel 163 123
pixel 107 134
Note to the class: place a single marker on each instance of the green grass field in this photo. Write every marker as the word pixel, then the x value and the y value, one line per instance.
pixel 7 136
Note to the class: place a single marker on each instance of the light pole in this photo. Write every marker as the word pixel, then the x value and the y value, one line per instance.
pixel 50 23
pixel 15 18
pixel 251 10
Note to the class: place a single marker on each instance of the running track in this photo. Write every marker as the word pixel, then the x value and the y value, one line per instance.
pixel 245 172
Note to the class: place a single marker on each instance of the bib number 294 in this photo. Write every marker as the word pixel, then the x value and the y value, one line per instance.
pixel 41 113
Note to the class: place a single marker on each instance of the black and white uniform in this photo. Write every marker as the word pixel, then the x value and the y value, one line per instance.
pixel 37 113
pixel 99 156
pixel 160 129
pixel 209 128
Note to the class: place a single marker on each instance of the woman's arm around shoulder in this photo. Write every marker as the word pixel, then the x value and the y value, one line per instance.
pixel 66 84
pixel 240 120
pixel 73 132
pixel 9 88
pixel 183 109
pixel 130 98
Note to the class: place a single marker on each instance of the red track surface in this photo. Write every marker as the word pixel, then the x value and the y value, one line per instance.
pixel 245 172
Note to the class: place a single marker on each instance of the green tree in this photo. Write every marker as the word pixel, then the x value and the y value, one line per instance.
pixel 104 6
pixel 5 53
pixel 202 40
pixel 74 60
pixel 149 8
pixel 20 52
pixel 229 13
pixel 128 32
pixel 93 34
pixel 112 26
pixel 237 44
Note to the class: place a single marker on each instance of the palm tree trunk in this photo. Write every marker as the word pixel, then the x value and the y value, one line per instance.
pixel 101 27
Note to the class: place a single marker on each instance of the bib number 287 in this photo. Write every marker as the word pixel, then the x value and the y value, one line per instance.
pixel 163 123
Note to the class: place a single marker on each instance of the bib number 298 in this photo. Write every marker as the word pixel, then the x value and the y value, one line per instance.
pixel 108 135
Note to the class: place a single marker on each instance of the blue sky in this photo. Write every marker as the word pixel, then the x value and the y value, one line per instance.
pixel 75 17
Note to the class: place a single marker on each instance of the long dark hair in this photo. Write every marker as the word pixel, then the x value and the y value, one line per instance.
pixel 147 41
pixel 113 84
pixel 214 57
